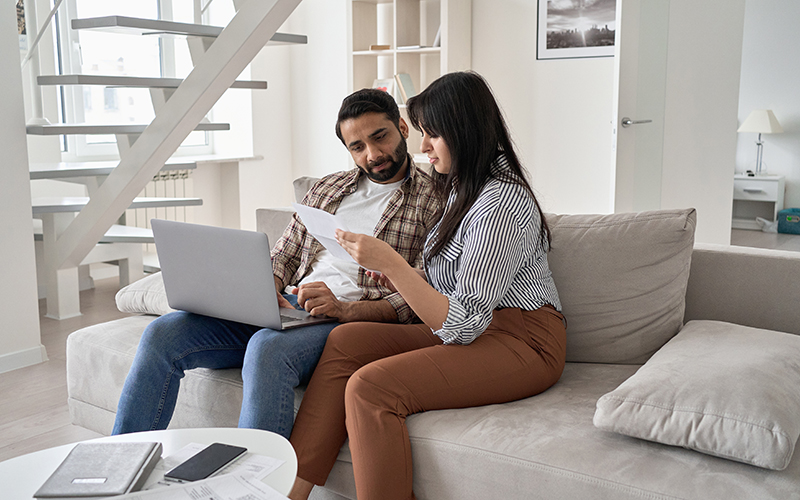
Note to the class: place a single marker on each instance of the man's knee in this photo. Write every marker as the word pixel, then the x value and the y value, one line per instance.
pixel 266 345
pixel 162 332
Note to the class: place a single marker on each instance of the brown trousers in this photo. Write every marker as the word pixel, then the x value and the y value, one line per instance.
pixel 376 374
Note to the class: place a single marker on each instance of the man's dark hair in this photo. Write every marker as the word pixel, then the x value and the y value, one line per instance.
pixel 367 101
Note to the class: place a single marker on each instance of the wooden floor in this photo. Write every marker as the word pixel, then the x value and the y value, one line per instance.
pixel 746 238
pixel 33 400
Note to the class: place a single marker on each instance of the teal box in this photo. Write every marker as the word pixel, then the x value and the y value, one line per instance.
pixel 789 221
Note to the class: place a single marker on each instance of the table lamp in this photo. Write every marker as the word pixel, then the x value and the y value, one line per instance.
pixel 761 121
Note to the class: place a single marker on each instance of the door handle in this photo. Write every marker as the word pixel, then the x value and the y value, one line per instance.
pixel 627 122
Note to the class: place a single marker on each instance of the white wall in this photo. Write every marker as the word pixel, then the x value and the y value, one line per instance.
pixel 319 83
pixel 703 64
pixel 770 80
pixel 20 343
pixel 293 120
pixel 559 111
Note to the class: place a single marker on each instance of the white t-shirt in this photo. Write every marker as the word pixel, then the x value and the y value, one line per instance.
pixel 361 212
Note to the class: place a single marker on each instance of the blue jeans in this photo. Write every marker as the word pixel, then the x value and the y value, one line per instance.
pixel 273 363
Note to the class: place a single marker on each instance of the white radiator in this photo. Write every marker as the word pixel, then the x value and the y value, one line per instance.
pixel 165 184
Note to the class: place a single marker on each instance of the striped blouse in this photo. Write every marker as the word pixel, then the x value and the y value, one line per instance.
pixel 496 259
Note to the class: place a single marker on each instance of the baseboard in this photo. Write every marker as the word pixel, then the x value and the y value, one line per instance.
pixel 21 359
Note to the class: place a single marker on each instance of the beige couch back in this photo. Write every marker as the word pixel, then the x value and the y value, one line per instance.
pixel 621 277
pixel 622 281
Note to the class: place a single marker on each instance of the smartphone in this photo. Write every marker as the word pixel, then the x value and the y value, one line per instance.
pixel 205 462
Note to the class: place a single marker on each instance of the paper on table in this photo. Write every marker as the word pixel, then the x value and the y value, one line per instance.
pixel 322 226
pixel 227 487
pixel 259 466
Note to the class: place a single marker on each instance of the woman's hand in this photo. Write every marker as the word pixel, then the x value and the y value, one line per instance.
pixel 376 255
pixel 383 281
pixel 369 252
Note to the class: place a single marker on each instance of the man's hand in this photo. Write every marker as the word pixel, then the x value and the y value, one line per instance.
pixel 317 299
pixel 282 302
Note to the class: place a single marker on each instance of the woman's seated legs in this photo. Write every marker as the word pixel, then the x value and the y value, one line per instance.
pixel 519 355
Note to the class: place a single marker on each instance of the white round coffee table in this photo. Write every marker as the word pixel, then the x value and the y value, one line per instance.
pixel 20 477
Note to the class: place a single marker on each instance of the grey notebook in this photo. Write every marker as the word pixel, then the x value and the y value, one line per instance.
pixel 223 273
pixel 96 470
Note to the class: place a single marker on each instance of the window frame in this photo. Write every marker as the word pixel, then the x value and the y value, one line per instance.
pixel 71 97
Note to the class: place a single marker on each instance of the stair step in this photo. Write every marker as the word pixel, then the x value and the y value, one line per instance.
pixel 123 24
pixel 133 81
pixel 65 170
pixel 116 234
pixel 58 204
pixel 87 129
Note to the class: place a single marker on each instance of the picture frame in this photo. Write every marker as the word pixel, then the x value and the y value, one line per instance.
pixel 568 29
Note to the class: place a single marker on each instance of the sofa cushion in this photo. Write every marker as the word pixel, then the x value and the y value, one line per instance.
pixel 726 390
pixel 144 296
pixel 622 281
pixel 546 447
pixel 302 185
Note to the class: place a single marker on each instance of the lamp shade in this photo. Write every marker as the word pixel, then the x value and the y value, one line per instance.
pixel 761 121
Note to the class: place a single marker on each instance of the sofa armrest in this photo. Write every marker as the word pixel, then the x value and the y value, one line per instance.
pixel 747 286
pixel 273 221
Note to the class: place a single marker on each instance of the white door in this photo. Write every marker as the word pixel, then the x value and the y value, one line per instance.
pixel 641 77
pixel 677 71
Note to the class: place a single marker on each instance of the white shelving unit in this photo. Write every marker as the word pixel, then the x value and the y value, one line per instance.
pixel 408 23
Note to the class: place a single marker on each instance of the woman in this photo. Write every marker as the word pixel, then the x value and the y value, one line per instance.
pixel 492 332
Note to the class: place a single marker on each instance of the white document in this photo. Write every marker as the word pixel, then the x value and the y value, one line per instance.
pixel 258 466
pixel 323 226
pixel 235 486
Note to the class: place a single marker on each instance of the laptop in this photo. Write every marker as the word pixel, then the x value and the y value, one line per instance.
pixel 223 273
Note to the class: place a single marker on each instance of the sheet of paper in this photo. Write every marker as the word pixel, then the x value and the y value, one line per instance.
pixel 322 226
pixel 235 486
pixel 258 466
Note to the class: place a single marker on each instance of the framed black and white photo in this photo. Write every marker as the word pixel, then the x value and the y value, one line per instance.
pixel 576 28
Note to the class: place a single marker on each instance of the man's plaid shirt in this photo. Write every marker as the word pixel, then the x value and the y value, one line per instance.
pixel 411 212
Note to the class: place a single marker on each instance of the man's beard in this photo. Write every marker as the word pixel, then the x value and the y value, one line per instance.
pixel 398 158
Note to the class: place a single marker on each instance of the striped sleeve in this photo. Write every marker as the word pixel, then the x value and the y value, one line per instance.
pixel 496 235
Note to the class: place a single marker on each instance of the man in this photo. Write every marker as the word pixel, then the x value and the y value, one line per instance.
pixel 386 195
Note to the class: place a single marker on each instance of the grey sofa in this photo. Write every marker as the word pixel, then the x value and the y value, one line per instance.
pixel 629 283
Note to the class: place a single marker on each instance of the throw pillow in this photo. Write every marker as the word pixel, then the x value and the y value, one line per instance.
pixel 722 389
pixel 146 296
pixel 622 281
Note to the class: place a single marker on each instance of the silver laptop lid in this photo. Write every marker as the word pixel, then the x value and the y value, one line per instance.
pixel 219 272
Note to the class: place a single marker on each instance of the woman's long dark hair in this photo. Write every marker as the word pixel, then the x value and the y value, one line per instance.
pixel 461 109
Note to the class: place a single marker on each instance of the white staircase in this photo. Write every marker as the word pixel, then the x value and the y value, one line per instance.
pixel 77 231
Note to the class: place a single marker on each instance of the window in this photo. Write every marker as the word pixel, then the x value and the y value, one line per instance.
pixel 91 52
